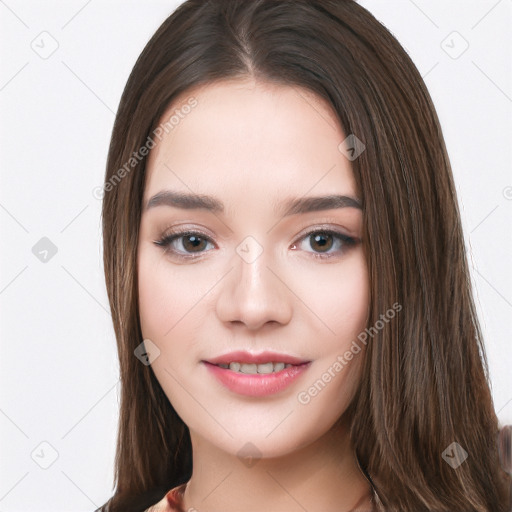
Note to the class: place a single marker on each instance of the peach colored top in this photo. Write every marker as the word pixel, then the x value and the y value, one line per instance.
pixel 173 501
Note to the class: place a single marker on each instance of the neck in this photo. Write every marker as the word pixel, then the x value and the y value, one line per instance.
pixel 322 476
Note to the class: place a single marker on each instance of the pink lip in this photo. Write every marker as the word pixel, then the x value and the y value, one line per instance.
pixel 257 384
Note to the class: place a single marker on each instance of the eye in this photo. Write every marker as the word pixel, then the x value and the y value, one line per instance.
pixel 326 243
pixel 190 244
pixel 185 243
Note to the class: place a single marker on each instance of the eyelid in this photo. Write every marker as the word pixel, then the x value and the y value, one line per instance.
pixel 182 230
pixel 328 223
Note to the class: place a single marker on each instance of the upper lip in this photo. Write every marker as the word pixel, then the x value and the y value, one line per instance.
pixel 263 357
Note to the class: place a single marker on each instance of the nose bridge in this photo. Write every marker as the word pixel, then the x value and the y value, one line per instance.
pixel 253 276
pixel 252 294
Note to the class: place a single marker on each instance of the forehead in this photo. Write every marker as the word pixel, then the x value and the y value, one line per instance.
pixel 243 135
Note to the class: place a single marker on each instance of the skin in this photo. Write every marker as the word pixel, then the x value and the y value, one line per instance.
pixel 277 142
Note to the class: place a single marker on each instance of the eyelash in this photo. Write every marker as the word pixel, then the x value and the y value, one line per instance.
pixel 166 241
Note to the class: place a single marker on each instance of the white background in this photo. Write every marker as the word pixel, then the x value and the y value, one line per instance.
pixel 59 373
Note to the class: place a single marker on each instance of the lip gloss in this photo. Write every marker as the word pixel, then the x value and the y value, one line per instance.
pixel 259 384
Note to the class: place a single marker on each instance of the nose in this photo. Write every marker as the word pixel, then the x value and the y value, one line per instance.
pixel 254 294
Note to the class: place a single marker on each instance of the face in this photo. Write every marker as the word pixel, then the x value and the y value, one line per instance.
pixel 247 269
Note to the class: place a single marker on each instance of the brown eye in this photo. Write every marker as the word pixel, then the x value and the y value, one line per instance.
pixel 193 243
pixel 326 243
pixel 321 241
pixel 184 244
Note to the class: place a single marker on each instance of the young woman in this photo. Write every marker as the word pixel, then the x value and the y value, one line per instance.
pixel 286 272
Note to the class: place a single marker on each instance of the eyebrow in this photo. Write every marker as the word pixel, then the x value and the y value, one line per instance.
pixel 289 207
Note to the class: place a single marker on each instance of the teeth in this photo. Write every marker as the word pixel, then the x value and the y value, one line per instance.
pixel 251 368
pixel 260 368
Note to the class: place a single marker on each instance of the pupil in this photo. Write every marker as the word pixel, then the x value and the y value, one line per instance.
pixel 195 242
pixel 320 239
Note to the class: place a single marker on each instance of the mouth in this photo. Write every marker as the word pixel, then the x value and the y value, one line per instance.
pixel 256 374
pixel 251 364
pixel 253 368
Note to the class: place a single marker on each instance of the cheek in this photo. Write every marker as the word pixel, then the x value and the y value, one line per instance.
pixel 171 299
pixel 338 294
pixel 155 300
pixel 341 299
pixel 349 310
pixel 162 295
pixel 347 314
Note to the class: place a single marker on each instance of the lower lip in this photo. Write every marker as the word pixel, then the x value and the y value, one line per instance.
pixel 259 384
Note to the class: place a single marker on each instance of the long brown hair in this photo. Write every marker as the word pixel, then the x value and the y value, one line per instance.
pixel 425 383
